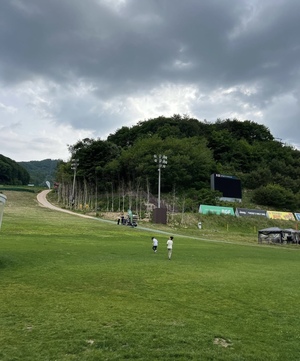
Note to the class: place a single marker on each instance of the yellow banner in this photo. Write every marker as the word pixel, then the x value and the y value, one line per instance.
pixel 287 216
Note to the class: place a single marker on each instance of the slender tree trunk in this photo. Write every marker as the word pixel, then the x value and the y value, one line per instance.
pixel 107 201
pixel 148 190
pixel 123 196
pixel 129 196
pixel 137 196
pixel 182 210
pixel 85 201
pixel 96 194
pixel 119 198
pixel 112 197
pixel 174 200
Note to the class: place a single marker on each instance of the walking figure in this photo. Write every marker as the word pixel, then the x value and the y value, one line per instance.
pixel 154 244
pixel 170 247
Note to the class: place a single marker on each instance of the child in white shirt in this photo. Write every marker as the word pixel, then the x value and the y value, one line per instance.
pixel 170 247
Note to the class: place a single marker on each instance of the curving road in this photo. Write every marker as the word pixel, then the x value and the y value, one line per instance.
pixel 42 199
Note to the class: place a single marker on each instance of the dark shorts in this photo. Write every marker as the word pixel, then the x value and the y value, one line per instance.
pixel 154 248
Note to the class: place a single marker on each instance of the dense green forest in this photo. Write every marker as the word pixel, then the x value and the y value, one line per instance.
pixel 41 171
pixel 12 173
pixel 120 172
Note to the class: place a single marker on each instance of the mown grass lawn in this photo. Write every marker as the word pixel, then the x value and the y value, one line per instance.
pixel 79 289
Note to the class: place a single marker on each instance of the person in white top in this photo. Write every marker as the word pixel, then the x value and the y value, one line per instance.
pixel 154 244
pixel 170 246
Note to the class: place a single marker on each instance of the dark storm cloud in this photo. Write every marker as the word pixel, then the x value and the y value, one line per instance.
pixel 239 58
pixel 141 42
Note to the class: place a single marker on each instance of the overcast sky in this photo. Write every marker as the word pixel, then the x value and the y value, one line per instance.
pixel 71 69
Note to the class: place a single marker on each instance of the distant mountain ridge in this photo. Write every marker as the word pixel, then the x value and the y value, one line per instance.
pixel 41 171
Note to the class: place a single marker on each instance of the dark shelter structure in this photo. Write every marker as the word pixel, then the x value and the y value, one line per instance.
pixel 277 235
pixel 160 215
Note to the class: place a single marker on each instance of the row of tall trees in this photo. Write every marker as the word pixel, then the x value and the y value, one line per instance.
pixel 120 171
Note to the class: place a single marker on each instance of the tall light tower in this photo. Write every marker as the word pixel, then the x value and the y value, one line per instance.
pixel 74 165
pixel 162 161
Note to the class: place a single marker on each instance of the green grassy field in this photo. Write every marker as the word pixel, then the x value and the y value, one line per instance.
pixel 86 290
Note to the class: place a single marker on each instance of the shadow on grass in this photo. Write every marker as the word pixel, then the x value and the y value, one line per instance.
pixel 5 262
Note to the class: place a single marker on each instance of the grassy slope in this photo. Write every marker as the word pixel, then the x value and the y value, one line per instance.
pixel 78 289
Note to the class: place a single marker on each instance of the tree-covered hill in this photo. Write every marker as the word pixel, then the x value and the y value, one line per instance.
pixel 12 173
pixel 122 167
pixel 41 171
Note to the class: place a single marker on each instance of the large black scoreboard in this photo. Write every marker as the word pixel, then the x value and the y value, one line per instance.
pixel 229 185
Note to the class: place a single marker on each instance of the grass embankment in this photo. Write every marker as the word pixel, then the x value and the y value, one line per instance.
pixel 80 289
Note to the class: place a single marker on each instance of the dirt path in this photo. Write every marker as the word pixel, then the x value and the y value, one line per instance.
pixel 42 199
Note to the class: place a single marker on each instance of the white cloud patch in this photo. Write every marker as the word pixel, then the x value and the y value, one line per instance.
pixel 7 109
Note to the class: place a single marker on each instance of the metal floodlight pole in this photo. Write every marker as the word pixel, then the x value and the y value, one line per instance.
pixel 161 161
pixel 158 204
